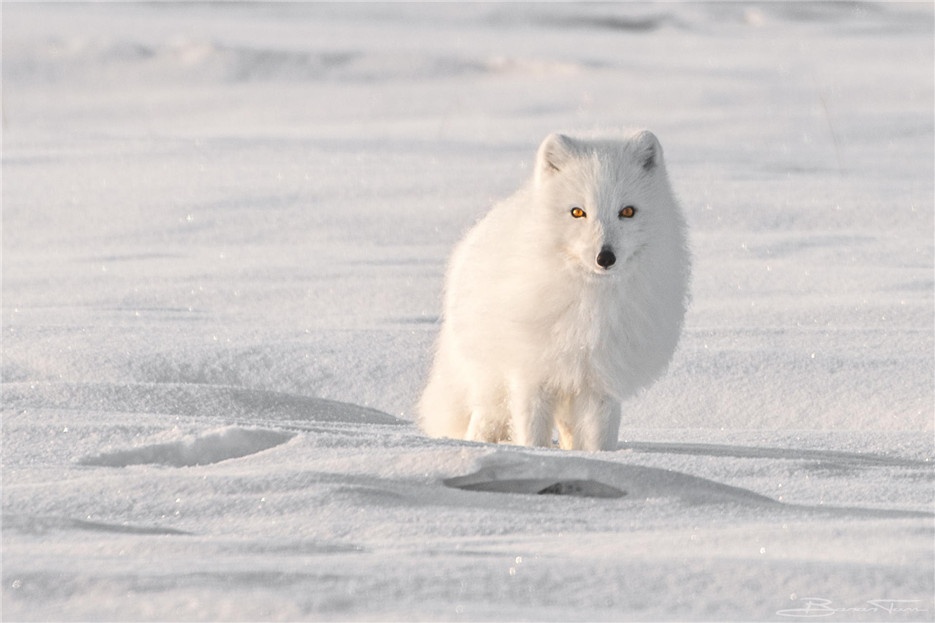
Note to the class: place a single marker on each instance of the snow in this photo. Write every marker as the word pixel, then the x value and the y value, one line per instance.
pixel 224 233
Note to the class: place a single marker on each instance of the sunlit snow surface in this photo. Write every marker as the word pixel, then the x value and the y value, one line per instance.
pixel 224 233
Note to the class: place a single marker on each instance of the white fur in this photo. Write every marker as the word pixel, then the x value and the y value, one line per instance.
pixel 536 334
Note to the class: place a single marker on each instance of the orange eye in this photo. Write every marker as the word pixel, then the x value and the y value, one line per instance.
pixel 578 212
pixel 627 212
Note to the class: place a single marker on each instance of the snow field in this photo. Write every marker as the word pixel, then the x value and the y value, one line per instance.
pixel 224 233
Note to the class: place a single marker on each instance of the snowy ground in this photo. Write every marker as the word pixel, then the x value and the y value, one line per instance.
pixel 224 232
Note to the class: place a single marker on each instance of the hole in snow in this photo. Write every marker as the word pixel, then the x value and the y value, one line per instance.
pixel 540 486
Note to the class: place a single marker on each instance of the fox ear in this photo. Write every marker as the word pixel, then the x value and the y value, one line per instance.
pixel 554 152
pixel 649 151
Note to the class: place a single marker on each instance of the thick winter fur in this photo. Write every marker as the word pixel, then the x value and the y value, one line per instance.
pixel 541 330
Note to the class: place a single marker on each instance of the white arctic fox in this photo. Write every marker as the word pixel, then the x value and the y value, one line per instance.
pixel 563 300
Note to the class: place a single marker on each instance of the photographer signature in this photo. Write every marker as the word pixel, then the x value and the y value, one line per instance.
pixel 819 607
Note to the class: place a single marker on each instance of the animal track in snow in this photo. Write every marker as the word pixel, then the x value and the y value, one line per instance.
pixel 212 447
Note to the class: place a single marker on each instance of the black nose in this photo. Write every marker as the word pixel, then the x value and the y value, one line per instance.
pixel 606 258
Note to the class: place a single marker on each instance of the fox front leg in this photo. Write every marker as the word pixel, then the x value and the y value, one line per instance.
pixel 532 415
pixel 591 422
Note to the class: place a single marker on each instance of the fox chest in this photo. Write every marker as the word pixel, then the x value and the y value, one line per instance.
pixel 575 345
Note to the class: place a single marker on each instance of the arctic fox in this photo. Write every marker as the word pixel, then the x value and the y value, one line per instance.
pixel 563 300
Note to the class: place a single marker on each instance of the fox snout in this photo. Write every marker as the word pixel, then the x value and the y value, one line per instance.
pixel 606 258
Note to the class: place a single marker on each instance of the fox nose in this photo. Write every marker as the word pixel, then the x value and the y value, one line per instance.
pixel 606 258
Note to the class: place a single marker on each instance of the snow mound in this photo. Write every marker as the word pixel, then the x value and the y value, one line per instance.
pixel 38 525
pixel 825 458
pixel 188 399
pixel 507 471
pixel 186 61
pixel 510 472
pixel 212 447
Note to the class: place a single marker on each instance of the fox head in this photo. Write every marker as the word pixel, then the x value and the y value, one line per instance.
pixel 603 200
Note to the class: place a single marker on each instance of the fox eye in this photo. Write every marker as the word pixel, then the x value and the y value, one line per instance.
pixel 627 212
pixel 578 212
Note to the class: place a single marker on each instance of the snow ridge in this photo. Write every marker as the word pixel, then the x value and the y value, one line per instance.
pixel 211 447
